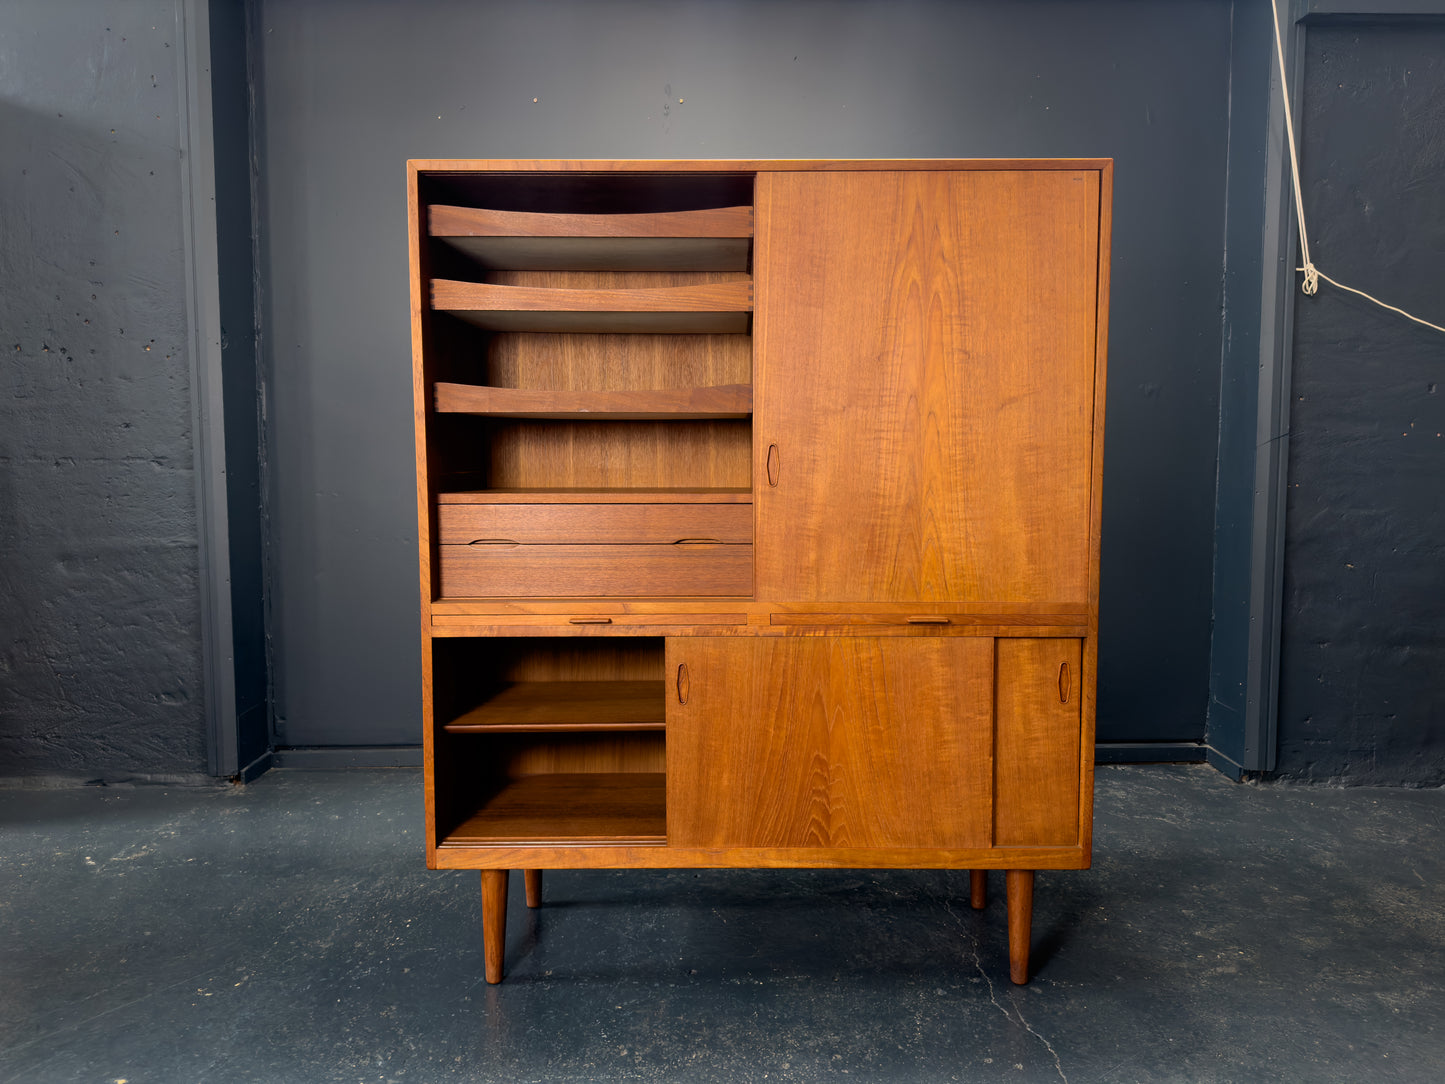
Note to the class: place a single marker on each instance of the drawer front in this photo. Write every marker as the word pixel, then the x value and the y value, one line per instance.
pixel 527 571
pixel 594 524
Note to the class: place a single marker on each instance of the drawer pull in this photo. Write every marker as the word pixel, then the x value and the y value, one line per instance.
pixel 1064 686
pixel 494 542
pixel 772 464
pixel 697 542
pixel 682 683
pixel 928 619
pixel 589 620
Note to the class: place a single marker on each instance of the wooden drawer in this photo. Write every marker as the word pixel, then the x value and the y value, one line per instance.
pixel 506 570
pixel 593 524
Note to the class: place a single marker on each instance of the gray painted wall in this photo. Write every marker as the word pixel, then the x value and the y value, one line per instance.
pixel 100 670
pixel 1363 647
pixel 348 91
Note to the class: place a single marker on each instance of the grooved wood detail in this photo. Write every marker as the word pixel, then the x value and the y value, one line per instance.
pixel 602 524
pixel 1037 744
pixel 831 742
pixel 506 570
pixel 932 419
pixel 445 221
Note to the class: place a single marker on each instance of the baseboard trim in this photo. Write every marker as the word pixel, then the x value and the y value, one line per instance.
pixel 348 756
pixel 258 767
pixel 1149 752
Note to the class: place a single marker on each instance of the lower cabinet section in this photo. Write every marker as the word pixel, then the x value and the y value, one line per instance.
pixel 748 750
pixel 859 743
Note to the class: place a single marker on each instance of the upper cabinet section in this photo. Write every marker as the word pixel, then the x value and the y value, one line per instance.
pixel 584 384
pixel 924 404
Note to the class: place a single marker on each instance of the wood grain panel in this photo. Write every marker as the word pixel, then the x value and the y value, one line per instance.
pixel 722 401
pixel 587 807
pixel 618 495
pixel 1040 690
pixel 579 705
pixel 615 362
pixel 927 343
pixel 708 307
pixel 445 221
pixel 505 570
pixel 523 755
pixel 629 659
pixel 665 455
pixel 613 524
pixel 830 742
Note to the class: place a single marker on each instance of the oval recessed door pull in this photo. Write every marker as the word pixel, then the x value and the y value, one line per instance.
pixel 1064 683
pixel 772 464
pixel 682 689
pixel 589 620
pixel 928 619
pixel 697 542
pixel 494 542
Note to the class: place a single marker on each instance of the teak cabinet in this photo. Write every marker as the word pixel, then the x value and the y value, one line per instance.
pixel 758 510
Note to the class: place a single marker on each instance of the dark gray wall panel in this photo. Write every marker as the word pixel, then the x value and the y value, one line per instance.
pixel 240 379
pixel 100 670
pixel 348 91
pixel 1363 646
pixel 1252 65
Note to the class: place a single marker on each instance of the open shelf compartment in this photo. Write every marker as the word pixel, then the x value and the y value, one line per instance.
pixel 572 808
pixel 549 740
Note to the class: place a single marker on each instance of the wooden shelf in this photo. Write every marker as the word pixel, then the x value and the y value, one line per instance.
pixel 706 308
pixel 529 706
pixel 619 495
pixel 665 404
pixel 582 808
pixel 717 239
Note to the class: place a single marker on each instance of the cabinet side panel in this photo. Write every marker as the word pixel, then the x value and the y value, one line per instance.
pixel 924 403
pixel 1037 778
pixel 830 742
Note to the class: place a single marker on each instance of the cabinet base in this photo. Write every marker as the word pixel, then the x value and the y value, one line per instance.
pixel 1019 882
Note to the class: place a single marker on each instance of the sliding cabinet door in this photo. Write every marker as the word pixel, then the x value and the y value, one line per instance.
pixel 924 385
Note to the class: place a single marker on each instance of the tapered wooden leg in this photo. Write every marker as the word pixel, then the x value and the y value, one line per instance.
pixel 1020 922
pixel 533 878
pixel 978 888
pixel 494 921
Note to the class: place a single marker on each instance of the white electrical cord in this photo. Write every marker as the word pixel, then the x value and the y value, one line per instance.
pixel 1312 273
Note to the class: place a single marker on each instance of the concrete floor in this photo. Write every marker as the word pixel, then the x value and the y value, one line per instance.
pixel 286 931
